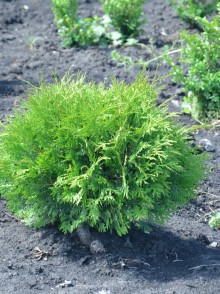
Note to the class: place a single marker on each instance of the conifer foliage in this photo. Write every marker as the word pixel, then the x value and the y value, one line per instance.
pixel 80 153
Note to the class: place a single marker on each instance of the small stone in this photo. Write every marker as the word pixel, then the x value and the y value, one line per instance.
pixel 65 284
pixel 97 247
pixel 213 244
pixel 207 145
pixel 56 53
pixel 175 103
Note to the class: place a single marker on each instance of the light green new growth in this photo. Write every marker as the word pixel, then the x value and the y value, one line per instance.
pixel 79 152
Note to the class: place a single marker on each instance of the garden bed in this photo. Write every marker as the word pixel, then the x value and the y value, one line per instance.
pixel 181 257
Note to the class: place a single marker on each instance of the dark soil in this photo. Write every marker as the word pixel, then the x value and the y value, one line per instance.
pixel 176 258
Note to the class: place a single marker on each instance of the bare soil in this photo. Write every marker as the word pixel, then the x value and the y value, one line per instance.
pixel 176 258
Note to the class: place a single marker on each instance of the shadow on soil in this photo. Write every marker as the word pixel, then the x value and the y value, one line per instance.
pixel 14 87
pixel 158 256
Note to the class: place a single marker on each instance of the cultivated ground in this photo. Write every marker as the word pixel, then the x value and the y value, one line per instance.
pixel 177 258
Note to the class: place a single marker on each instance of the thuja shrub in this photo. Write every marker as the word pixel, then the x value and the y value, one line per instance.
pixel 125 15
pixel 188 10
pixel 198 69
pixel 78 153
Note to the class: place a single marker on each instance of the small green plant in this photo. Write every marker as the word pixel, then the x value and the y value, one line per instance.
pixel 32 42
pixel 125 15
pixel 215 220
pixel 76 30
pixel 188 10
pixel 130 62
pixel 104 30
pixel 78 153
pixel 199 71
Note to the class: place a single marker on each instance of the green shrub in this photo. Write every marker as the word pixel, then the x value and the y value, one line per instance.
pixel 199 69
pixel 75 30
pixel 79 153
pixel 125 15
pixel 188 10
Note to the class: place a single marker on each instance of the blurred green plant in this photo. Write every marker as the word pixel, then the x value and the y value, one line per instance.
pixel 215 220
pixel 198 71
pixel 76 30
pixel 78 153
pixel 126 16
pixel 104 30
pixel 129 62
pixel 32 42
pixel 188 10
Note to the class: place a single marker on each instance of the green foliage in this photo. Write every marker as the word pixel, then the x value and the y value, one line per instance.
pixel 188 10
pixel 215 220
pixel 76 30
pixel 80 31
pixel 125 15
pixel 199 71
pixel 77 152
